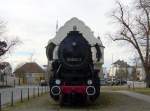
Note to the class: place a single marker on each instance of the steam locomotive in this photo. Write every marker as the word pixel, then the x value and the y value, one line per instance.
pixel 73 76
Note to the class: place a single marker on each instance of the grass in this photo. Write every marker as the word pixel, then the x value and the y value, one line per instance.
pixel 145 91
pixel 107 101
pixel 17 104
pixel 104 100
pixel 114 88
pixel 111 101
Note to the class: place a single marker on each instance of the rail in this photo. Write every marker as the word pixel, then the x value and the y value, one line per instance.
pixel 11 95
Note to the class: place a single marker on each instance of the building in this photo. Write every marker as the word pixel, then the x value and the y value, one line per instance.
pixel 76 24
pixel 120 68
pixel 139 72
pixel 30 73
pixel 105 73
pixel 6 76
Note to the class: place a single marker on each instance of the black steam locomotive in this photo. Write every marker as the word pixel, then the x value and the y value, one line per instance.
pixel 73 75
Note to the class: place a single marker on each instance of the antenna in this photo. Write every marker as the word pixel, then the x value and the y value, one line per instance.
pixel 56 25
pixel 98 37
pixel 31 57
pixel 112 67
pixel 112 58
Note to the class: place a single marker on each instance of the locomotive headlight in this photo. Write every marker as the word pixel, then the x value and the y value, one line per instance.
pixel 57 81
pixel 89 82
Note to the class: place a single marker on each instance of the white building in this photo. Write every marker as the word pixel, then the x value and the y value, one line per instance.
pixel 119 65
pixel 105 73
pixel 140 72
pixel 87 34
pixel 84 30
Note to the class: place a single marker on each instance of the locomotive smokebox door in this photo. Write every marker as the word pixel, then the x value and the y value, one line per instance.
pixel 74 51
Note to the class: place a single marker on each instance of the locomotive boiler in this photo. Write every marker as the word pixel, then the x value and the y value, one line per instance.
pixel 74 62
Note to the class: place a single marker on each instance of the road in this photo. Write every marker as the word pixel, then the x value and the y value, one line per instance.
pixel 136 95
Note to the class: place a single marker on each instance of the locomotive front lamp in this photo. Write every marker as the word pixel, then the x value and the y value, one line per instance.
pixel 74 44
pixel 57 82
pixel 89 82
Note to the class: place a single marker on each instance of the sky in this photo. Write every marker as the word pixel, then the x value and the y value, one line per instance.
pixel 34 23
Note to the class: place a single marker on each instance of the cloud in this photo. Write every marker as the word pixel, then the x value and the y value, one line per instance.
pixel 34 22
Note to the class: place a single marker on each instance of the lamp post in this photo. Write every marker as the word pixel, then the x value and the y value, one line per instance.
pixel 126 71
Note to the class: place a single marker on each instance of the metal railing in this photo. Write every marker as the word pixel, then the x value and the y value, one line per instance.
pixel 11 95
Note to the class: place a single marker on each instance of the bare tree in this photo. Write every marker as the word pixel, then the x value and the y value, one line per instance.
pixel 121 74
pixel 134 74
pixel 5 44
pixel 134 28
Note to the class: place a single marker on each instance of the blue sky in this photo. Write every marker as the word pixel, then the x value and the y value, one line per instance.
pixel 34 22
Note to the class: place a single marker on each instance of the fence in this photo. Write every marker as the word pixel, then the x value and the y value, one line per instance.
pixel 136 84
pixel 12 95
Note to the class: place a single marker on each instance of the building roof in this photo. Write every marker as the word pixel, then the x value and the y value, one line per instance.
pixel 81 27
pixel 31 67
pixel 121 63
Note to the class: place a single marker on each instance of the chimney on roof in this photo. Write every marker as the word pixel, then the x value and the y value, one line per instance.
pixel 98 37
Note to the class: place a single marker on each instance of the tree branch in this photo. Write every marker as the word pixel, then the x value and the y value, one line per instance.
pixel 134 42
pixel 148 32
